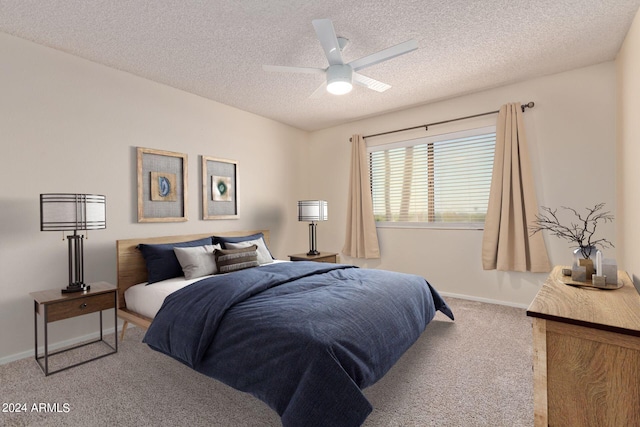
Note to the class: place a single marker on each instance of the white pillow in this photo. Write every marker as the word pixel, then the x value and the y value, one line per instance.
pixel 197 261
pixel 264 256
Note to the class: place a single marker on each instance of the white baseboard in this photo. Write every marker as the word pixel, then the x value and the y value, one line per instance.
pixel 55 346
pixel 480 299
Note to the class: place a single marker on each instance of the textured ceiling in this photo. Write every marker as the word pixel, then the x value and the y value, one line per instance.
pixel 216 48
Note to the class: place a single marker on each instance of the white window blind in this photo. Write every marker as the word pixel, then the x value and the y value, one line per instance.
pixel 437 180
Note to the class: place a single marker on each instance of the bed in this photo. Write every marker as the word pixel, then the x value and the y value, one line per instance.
pixel 303 337
pixel 132 270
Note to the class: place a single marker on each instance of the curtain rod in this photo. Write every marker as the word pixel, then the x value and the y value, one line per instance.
pixel 426 127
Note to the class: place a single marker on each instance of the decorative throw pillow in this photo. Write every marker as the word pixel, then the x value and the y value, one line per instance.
pixel 225 240
pixel 228 260
pixel 162 262
pixel 264 256
pixel 197 261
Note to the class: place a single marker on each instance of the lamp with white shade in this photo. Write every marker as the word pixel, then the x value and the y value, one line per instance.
pixel 73 212
pixel 313 211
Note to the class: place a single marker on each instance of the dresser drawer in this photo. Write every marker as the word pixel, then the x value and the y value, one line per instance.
pixel 79 306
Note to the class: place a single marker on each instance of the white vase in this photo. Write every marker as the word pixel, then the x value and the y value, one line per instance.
pixel 577 254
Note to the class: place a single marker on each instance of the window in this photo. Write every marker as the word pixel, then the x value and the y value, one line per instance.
pixel 440 180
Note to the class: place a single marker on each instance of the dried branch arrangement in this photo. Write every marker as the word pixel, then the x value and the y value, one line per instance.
pixel 580 232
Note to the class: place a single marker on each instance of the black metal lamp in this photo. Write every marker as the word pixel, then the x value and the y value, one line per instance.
pixel 73 212
pixel 312 210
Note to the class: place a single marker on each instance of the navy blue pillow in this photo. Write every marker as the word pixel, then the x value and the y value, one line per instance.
pixel 222 239
pixel 162 262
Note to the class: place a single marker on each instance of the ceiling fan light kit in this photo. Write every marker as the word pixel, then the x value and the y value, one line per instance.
pixel 339 79
pixel 340 76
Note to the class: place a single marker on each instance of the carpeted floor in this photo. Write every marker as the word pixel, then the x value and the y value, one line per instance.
pixel 476 371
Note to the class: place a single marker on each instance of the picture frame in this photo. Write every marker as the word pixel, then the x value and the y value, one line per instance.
pixel 162 185
pixel 219 188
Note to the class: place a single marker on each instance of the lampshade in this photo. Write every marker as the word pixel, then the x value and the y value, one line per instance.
pixel 73 212
pixel 339 78
pixel 62 212
pixel 312 210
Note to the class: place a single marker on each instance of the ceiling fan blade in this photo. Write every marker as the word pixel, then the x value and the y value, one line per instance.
pixel 370 83
pixel 328 40
pixel 285 69
pixel 384 55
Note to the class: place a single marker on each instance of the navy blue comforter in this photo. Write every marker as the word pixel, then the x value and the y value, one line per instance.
pixel 303 337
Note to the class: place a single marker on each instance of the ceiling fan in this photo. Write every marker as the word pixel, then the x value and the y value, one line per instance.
pixel 341 76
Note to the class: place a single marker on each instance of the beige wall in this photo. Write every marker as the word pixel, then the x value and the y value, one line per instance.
pixel 571 134
pixel 628 78
pixel 70 125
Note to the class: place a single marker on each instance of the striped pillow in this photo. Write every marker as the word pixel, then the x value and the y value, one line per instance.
pixel 229 260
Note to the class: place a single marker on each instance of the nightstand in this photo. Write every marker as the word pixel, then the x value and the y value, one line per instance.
pixel 53 305
pixel 322 257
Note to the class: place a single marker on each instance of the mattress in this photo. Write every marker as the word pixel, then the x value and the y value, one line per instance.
pixel 146 300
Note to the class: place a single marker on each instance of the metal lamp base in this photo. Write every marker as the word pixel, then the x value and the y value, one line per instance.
pixel 76 265
pixel 76 287
pixel 312 240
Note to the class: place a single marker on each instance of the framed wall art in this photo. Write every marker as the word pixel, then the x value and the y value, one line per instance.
pixel 219 188
pixel 162 185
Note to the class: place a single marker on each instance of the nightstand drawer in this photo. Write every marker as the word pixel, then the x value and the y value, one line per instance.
pixel 330 259
pixel 79 306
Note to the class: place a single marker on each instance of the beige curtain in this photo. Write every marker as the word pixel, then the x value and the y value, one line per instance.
pixel 362 239
pixel 506 243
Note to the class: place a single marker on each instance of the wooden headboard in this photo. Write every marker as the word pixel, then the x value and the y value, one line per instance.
pixel 130 264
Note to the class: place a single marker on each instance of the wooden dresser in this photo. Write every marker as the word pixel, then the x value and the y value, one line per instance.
pixel 586 354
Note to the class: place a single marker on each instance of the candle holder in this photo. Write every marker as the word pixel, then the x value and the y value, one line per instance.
pixel 599 281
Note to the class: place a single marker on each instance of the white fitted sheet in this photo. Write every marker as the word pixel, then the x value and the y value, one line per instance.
pixel 147 300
